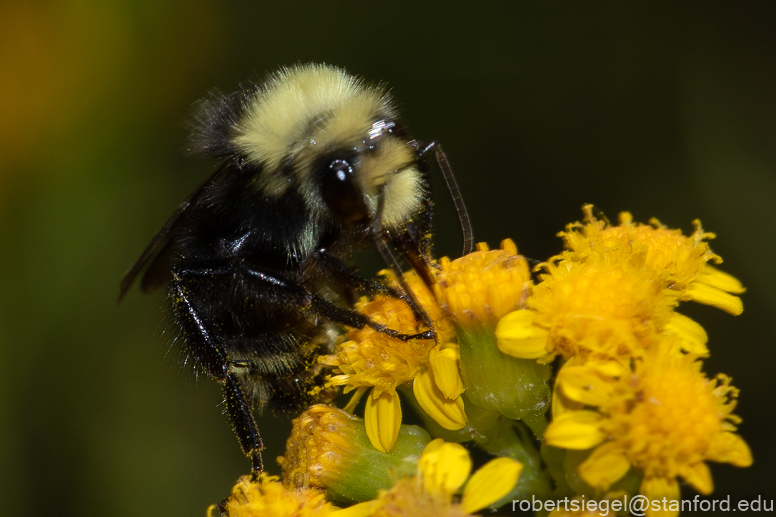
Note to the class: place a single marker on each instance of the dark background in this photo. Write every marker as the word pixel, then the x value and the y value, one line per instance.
pixel 664 111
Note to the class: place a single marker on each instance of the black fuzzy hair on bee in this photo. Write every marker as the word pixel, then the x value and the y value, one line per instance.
pixel 213 119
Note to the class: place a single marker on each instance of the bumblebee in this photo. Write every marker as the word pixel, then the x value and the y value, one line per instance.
pixel 312 162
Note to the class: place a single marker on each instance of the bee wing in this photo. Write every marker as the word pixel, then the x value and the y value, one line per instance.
pixel 157 255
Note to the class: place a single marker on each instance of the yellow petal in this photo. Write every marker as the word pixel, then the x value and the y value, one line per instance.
pixel 604 466
pixel 447 413
pixel 699 476
pixel 382 419
pixel 509 246
pixel 444 467
pixel 706 294
pixel 433 446
pixel 519 337
pixel 693 336
pixel 584 384
pixel 575 430
pixel 490 483
pixel 730 448
pixel 447 372
pixel 721 280
pixel 354 400
pixel 357 510
pixel 562 404
pixel 656 489
pixel 608 368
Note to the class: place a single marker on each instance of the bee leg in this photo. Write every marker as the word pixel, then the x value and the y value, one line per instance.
pixel 355 319
pixel 352 279
pixel 379 235
pixel 240 412
pixel 268 282
pixel 203 344
pixel 347 276
pixel 411 252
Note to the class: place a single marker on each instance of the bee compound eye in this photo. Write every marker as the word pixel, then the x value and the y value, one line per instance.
pixel 341 192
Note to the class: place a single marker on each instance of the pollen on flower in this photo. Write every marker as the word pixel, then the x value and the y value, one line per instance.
pixel 481 287
pixel 597 309
pixel 678 261
pixel 372 359
pixel 268 497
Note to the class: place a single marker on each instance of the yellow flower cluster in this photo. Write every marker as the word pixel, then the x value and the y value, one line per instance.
pixel 630 390
pixel 680 263
pixel 615 289
pixel 596 340
pixel 663 417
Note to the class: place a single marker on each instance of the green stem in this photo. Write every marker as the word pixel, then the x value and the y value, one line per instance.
pixel 537 423
pixel 501 436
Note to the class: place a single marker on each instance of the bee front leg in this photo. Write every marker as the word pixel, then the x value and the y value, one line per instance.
pixel 340 272
pixel 320 305
pixel 355 319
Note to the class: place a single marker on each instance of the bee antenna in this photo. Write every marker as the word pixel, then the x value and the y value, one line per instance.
pixel 455 193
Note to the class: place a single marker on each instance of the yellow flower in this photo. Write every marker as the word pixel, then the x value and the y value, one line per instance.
pixel 664 418
pixel 442 324
pixel 599 308
pixel 679 261
pixel 614 290
pixel 267 496
pixel 443 469
pixel 483 286
pixel 372 359
pixel 376 361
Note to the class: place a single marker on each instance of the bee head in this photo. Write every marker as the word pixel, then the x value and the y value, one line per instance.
pixel 352 179
pixel 319 131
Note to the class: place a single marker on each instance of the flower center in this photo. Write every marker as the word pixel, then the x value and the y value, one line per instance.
pixel 671 421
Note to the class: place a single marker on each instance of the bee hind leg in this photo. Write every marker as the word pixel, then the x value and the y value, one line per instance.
pixel 203 343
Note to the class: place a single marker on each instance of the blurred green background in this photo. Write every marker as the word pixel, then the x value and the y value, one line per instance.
pixel 665 111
